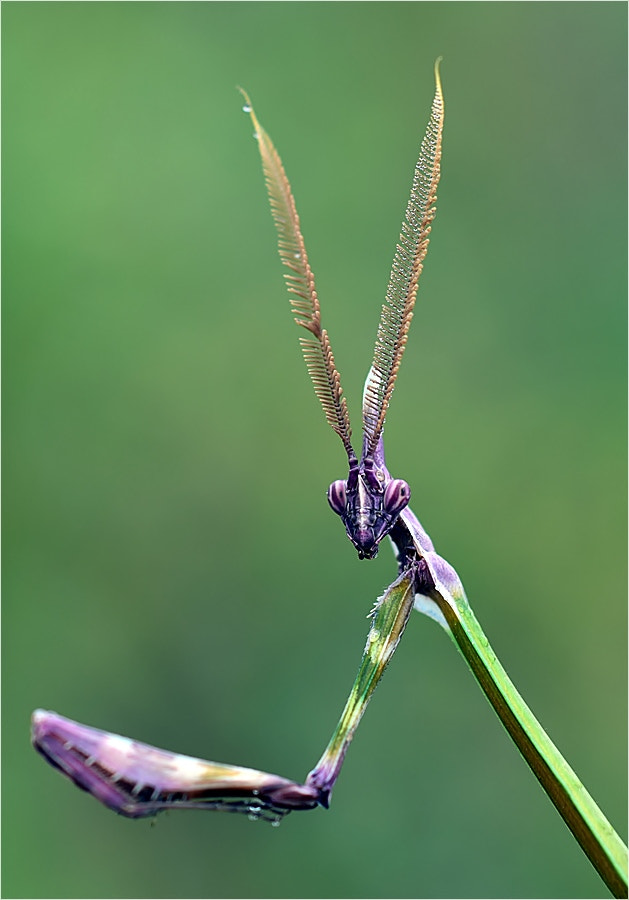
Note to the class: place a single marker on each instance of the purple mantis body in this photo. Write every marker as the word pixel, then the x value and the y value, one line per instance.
pixel 137 780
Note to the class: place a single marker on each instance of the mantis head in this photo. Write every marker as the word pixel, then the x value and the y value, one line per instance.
pixel 369 501
pixel 369 504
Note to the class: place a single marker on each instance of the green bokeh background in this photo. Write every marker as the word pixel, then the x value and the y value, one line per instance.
pixel 172 571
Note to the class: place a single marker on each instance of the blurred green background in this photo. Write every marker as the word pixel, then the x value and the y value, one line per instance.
pixel 172 570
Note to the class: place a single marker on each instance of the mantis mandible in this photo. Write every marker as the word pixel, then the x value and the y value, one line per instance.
pixel 137 780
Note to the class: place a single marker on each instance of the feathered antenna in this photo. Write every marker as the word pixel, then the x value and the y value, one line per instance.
pixel 300 282
pixel 411 250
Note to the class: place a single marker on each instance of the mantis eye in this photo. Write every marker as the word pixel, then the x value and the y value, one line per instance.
pixel 396 496
pixel 337 497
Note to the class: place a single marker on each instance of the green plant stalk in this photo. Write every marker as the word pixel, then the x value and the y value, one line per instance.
pixel 594 833
pixel 597 838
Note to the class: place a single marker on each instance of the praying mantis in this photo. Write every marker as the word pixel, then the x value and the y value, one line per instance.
pixel 137 780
